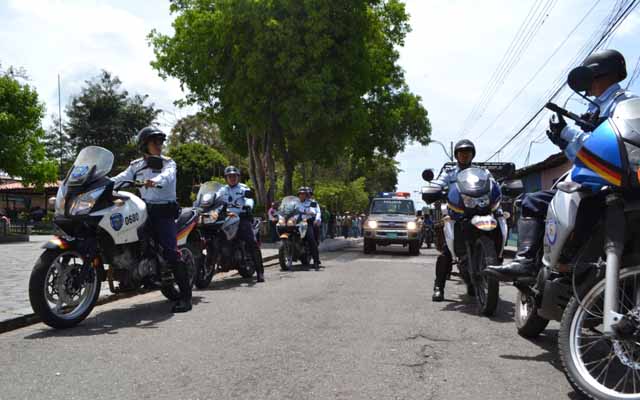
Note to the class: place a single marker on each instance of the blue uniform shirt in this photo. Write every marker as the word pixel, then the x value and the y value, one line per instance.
pixel 234 197
pixel 307 209
pixel 607 101
pixel 166 177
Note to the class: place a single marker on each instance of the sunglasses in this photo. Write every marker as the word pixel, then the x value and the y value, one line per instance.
pixel 157 140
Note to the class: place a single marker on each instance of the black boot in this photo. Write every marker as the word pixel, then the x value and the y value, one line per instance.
pixel 438 293
pixel 182 280
pixel 530 232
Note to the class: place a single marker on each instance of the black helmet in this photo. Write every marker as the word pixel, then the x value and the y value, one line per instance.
pixel 231 170
pixel 607 62
pixel 146 134
pixel 464 144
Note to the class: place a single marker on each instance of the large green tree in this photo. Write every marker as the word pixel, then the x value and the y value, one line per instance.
pixel 104 114
pixel 292 80
pixel 22 152
pixel 197 163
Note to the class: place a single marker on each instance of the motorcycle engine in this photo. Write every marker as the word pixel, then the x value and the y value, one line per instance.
pixel 145 268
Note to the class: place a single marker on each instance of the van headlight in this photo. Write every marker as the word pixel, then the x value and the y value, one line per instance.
pixel 411 225
pixel 372 224
pixel 83 203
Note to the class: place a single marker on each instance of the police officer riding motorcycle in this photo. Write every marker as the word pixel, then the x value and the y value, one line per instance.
pixel 609 68
pixel 159 192
pixel 464 152
pixel 309 210
pixel 237 198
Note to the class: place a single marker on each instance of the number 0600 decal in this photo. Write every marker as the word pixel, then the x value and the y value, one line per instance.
pixel 130 219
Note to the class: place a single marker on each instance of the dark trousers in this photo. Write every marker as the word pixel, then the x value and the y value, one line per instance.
pixel 444 264
pixel 313 244
pixel 164 231
pixel 273 232
pixel 536 204
pixel 245 233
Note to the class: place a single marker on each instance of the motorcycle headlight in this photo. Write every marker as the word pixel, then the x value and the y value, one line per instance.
pixel 473 202
pixel 83 203
pixel 281 220
pixel 411 225
pixel 292 221
pixel 372 224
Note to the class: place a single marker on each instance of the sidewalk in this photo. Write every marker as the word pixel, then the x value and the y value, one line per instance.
pixel 18 260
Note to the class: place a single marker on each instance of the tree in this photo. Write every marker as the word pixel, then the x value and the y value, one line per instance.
pixel 58 146
pixel 197 163
pixel 293 81
pixel 104 114
pixel 22 152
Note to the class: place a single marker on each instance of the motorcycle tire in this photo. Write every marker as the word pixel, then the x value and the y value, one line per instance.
pixel 529 324
pixel 204 275
pixel 575 357
pixel 487 288
pixel 38 283
pixel 414 248
pixel 284 256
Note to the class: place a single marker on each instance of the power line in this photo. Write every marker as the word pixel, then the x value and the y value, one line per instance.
pixel 528 30
pixel 610 28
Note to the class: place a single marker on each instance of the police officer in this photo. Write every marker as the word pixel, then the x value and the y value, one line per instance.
pixel 239 200
pixel 318 223
pixel 464 152
pixel 159 192
pixel 309 209
pixel 609 68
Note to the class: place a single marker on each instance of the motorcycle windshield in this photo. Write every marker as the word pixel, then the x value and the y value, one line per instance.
pixel 474 182
pixel 207 195
pixel 289 206
pixel 92 163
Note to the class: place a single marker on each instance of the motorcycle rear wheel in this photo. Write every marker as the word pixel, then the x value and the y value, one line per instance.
pixel 581 332
pixel 487 288
pixel 171 290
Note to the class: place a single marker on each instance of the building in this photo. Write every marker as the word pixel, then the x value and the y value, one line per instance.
pixel 543 175
pixel 15 197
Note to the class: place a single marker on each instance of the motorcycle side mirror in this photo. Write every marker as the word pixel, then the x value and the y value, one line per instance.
pixel 512 188
pixel 580 79
pixel 314 204
pixel 427 175
pixel 432 193
pixel 419 213
pixel 248 194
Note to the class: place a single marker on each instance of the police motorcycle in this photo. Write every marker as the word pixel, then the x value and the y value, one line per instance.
pixel 589 278
pixel 475 228
pixel 101 226
pixel 292 228
pixel 217 238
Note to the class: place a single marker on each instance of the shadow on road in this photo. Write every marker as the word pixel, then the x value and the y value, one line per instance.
pixel 144 316
pixel 548 342
pixel 468 305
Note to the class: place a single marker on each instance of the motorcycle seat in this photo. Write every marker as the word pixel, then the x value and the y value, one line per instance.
pixel 186 218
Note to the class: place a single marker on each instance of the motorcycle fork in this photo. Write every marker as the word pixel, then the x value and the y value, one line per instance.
pixel 613 246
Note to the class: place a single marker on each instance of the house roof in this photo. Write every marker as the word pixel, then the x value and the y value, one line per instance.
pixel 20 187
pixel 552 161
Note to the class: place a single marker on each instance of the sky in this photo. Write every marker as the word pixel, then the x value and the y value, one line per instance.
pixel 452 51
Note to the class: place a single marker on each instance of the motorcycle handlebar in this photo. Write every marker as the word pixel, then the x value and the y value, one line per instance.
pixel 574 117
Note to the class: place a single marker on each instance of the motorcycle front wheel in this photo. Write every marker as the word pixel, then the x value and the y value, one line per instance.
pixel 58 292
pixel 285 255
pixel 530 325
pixel 487 288
pixel 598 365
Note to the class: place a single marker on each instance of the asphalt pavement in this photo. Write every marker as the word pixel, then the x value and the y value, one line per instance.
pixel 363 327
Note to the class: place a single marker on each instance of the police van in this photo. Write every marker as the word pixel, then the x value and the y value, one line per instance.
pixel 393 219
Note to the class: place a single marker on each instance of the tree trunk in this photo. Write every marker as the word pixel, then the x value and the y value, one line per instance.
pixel 256 172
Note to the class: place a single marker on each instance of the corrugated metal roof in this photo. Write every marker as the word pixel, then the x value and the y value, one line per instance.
pixel 19 186
pixel 552 161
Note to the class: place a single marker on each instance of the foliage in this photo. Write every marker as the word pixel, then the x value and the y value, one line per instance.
pixel 341 197
pixel 104 114
pixel 197 163
pixel 295 81
pixel 22 152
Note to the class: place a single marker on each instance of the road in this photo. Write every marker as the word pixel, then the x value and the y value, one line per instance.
pixel 364 327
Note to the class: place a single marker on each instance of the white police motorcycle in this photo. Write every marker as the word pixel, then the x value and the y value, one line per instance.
pixel 105 239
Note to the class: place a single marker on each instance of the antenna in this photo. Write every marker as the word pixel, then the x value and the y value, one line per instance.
pixel 60 125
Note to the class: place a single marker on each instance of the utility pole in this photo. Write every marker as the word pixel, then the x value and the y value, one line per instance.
pixel 451 151
pixel 60 126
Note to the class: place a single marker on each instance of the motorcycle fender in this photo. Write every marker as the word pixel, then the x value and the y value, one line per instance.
pixel 57 243
pixel 449 235
pixel 284 236
pixel 485 223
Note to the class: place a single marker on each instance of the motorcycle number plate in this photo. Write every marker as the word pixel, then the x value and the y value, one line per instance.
pixel 392 235
pixel 484 222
